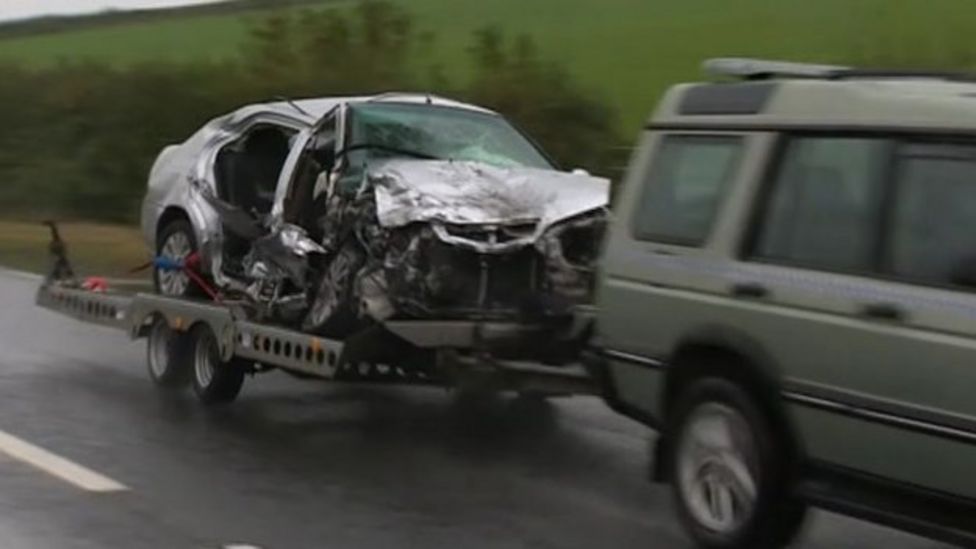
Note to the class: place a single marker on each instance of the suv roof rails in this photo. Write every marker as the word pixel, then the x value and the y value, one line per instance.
pixel 905 74
pixel 763 69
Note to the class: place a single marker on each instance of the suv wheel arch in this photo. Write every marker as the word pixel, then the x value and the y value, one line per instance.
pixel 729 354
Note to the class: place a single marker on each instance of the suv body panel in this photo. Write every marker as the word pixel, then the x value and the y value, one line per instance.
pixel 877 375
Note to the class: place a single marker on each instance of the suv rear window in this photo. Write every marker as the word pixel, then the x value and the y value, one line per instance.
pixel 685 187
pixel 931 239
pixel 824 209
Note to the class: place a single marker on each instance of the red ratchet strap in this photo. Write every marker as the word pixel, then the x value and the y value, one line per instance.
pixel 140 267
pixel 95 284
pixel 190 266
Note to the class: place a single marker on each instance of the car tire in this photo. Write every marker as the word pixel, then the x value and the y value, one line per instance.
pixel 214 381
pixel 730 469
pixel 175 241
pixel 166 356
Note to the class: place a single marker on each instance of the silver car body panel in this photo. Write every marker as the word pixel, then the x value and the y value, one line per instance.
pixel 444 192
pixel 180 169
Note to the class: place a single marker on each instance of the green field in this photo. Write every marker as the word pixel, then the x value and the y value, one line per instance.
pixel 625 50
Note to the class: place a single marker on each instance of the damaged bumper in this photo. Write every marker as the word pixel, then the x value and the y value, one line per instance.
pixel 427 276
pixel 547 342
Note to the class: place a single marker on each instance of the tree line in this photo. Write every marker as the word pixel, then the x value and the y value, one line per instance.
pixel 77 139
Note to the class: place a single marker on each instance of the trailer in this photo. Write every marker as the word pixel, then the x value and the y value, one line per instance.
pixel 214 346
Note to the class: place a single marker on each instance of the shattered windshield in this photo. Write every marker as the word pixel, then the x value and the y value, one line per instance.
pixel 379 130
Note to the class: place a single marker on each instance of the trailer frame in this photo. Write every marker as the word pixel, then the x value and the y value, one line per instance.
pixel 463 349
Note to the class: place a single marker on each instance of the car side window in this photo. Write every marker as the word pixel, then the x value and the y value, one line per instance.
pixel 247 170
pixel 824 209
pixel 935 200
pixel 682 193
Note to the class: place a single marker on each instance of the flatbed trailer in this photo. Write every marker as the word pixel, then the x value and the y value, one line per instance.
pixel 214 345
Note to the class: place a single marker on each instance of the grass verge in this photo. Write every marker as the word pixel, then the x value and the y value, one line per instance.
pixel 108 250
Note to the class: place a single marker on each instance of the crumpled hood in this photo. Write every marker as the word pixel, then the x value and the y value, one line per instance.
pixel 465 193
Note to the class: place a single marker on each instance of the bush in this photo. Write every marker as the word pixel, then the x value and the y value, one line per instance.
pixel 78 139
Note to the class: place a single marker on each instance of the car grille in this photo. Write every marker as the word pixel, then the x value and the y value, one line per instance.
pixel 497 235
pixel 468 281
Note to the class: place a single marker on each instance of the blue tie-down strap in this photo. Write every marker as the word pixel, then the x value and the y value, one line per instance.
pixel 167 263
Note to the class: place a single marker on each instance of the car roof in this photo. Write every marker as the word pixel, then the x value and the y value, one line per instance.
pixel 310 110
pixel 779 95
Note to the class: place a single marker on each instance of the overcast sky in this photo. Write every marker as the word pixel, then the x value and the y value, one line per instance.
pixel 20 9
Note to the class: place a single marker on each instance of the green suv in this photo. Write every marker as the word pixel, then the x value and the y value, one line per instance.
pixel 788 296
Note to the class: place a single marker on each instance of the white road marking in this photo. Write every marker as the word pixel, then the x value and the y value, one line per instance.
pixel 240 546
pixel 57 466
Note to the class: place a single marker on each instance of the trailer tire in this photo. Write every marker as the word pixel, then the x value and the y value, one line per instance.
pixel 214 381
pixel 167 358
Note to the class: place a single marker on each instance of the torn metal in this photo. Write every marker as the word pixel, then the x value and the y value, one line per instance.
pixel 440 239
pixel 274 271
pixel 521 202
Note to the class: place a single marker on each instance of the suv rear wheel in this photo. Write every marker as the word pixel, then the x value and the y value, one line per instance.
pixel 729 470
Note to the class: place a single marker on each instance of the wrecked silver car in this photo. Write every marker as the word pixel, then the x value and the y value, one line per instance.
pixel 336 214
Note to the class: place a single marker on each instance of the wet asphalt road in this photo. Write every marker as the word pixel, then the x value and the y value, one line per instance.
pixel 303 465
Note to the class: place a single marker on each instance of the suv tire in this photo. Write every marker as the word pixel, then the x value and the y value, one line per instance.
pixel 729 469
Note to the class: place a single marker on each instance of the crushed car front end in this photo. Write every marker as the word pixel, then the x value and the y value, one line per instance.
pixel 442 270
pixel 446 239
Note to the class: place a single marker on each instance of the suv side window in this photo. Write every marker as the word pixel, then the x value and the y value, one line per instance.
pixel 935 202
pixel 685 186
pixel 825 207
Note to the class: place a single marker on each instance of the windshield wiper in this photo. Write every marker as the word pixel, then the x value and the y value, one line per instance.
pixel 387 148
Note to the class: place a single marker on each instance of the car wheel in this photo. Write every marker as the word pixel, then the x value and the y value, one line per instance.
pixel 214 381
pixel 729 470
pixel 166 356
pixel 176 241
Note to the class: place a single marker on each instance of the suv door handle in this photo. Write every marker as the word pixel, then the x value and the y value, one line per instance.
pixel 884 311
pixel 750 289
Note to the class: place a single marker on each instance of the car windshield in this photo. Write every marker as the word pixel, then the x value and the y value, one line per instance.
pixel 437 132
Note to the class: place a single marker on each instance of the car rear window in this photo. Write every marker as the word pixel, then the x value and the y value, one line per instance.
pixel 935 204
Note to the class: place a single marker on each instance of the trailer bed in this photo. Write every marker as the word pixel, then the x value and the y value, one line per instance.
pixel 462 349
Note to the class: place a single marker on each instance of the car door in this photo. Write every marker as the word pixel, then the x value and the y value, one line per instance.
pixel 296 190
pixel 877 356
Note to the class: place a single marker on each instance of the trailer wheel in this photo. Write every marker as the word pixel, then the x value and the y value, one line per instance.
pixel 214 380
pixel 166 356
